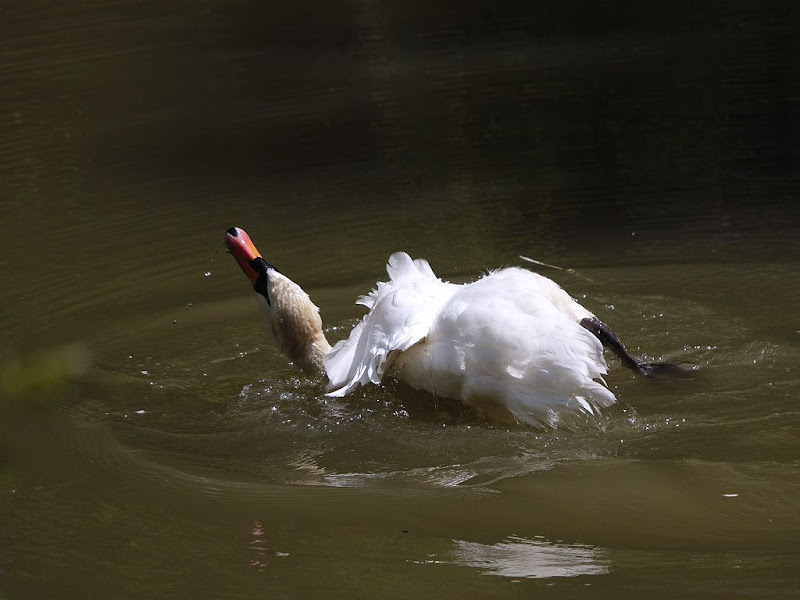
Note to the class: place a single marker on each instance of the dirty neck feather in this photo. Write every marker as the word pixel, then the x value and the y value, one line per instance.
pixel 295 324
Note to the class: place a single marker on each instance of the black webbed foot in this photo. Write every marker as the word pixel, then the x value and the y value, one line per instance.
pixel 667 370
pixel 656 370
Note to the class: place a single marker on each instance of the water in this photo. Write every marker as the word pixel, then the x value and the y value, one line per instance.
pixel 153 444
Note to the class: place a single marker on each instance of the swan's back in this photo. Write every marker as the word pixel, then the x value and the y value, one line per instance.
pixel 511 340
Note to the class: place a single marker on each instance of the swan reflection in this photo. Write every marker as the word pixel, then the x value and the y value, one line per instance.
pixel 539 558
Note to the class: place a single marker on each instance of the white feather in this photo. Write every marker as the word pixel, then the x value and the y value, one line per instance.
pixel 510 340
pixel 401 313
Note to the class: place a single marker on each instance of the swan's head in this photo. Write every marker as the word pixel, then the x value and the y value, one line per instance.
pixel 291 316
pixel 258 271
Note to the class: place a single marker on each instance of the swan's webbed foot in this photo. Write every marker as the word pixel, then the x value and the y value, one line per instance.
pixel 610 340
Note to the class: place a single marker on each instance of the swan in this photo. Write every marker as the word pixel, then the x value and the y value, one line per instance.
pixel 513 343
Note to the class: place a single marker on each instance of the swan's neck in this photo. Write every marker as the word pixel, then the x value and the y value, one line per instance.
pixel 294 322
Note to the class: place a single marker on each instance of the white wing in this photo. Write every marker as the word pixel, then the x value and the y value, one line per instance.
pixel 401 313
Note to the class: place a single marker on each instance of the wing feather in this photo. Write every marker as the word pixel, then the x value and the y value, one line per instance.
pixel 401 313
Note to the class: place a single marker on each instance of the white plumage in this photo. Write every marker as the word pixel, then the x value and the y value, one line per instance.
pixel 512 343
pixel 511 340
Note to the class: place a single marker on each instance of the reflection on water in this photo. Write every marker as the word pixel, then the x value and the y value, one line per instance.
pixel 522 558
pixel 262 553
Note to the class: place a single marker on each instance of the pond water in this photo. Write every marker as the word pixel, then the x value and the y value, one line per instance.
pixel 154 444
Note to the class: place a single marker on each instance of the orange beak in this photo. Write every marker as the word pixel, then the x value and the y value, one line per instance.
pixel 244 251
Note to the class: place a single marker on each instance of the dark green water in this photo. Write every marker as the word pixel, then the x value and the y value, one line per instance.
pixel 154 445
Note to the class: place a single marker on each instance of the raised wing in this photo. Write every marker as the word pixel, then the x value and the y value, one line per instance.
pixel 401 313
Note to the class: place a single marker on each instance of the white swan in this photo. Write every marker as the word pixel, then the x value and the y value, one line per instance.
pixel 512 342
